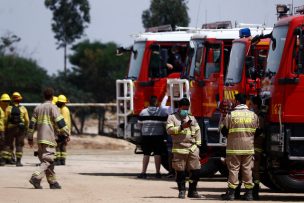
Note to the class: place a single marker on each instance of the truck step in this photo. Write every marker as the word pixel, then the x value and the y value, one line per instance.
pixel 297 138
pixel 212 129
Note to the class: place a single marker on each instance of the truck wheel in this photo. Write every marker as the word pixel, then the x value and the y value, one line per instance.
pixel 267 181
pixel 288 183
pixel 209 168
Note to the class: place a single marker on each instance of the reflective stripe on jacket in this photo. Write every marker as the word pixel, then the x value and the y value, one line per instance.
pixel 46 118
pixel 242 125
pixel 186 140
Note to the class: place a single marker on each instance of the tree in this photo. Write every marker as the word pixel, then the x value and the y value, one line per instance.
pixel 70 18
pixel 96 68
pixel 22 75
pixel 163 12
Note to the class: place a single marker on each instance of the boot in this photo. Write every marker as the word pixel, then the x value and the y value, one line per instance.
pixel 229 195
pixel 182 190
pixel 237 192
pixel 62 162
pixel 57 162
pixel 2 162
pixel 18 163
pixel 35 182
pixel 192 192
pixel 55 186
pixel 255 191
pixel 248 195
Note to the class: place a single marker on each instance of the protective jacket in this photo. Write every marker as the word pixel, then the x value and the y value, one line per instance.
pixel 23 117
pixel 65 112
pixel 186 140
pixel 45 117
pixel 241 124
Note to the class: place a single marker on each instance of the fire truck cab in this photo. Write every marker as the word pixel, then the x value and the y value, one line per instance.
pixel 282 94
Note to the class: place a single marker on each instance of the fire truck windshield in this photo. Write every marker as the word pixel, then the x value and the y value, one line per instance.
pixel 136 59
pixel 236 63
pixel 276 49
pixel 196 58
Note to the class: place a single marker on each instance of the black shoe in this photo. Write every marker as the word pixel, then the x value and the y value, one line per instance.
pixel 2 162
pixel 55 186
pixel 35 182
pixel 18 163
pixel 229 195
pixel 158 176
pixel 194 194
pixel 57 162
pixel 142 176
pixel 182 194
pixel 248 195
pixel 62 162
pixel 255 192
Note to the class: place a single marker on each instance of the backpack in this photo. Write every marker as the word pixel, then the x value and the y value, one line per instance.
pixel 15 117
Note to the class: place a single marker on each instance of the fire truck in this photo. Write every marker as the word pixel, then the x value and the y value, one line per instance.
pixel 282 93
pixel 148 75
pixel 206 74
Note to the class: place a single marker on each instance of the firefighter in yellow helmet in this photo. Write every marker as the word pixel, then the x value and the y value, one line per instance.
pixel 16 125
pixel 5 100
pixel 61 152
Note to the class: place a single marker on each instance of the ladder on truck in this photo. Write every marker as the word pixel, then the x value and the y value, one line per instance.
pixel 124 105
pixel 178 89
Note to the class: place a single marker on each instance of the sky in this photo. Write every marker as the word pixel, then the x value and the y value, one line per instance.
pixel 115 21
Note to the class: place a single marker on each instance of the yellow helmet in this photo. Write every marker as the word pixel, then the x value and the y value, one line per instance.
pixel 5 97
pixel 62 98
pixel 54 100
pixel 16 96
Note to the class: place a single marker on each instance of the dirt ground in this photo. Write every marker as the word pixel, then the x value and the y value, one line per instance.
pixel 103 169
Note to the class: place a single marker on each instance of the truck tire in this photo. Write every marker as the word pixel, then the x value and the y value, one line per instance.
pixel 287 183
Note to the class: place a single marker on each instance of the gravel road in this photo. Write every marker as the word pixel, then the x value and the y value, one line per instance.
pixel 108 176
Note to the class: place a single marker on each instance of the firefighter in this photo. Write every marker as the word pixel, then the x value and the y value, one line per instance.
pixel 45 119
pixel 240 126
pixel 61 144
pixel 16 125
pixel 4 102
pixel 186 138
pixel 153 131
pixel 259 140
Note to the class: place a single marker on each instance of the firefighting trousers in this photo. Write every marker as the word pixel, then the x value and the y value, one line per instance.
pixel 186 162
pixel 240 164
pixel 256 167
pixel 61 152
pixel 16 135
pixel 46 155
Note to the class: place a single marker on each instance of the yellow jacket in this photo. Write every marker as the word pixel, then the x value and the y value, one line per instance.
pixel 24 118
pixel 2 120
pixel 65 112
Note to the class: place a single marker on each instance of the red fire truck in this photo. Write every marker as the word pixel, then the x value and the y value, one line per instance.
pixel 147 76
pixel 206 75
pixel 282 93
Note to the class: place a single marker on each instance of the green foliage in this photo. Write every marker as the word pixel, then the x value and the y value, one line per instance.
pixel 22 75
pixel 96 68
pixel 163 12
pixel 70 18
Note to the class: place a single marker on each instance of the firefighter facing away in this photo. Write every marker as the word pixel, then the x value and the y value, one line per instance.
pixel 16 125
pixel 186 139
pixel 46 119
pixel 240 127
pixel 61 152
